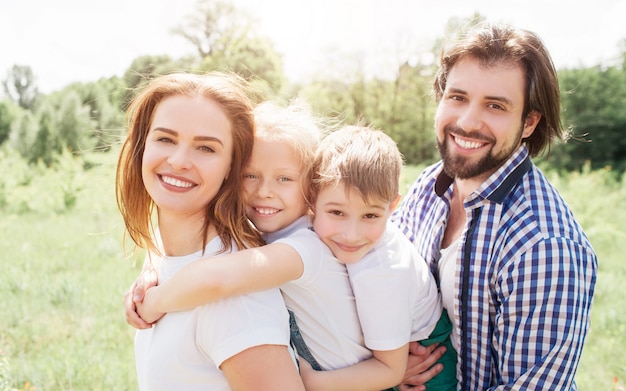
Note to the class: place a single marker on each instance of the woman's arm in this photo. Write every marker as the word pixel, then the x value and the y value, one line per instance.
pixel 147 278
pixel 226 275
pixel 384 370
pixel 262 368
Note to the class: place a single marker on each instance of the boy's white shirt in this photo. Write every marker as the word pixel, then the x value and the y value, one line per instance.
pixel 396 295
pixel 322 300
pixel 185 349
pixel 381 302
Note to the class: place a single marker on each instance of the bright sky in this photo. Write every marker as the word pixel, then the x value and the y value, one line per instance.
pixel 75 40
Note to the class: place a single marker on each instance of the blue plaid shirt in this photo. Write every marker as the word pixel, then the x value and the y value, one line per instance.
pixel 525 275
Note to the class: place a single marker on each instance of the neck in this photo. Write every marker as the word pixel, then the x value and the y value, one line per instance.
pixel 183 235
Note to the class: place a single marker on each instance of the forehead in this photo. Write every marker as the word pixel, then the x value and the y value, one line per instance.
pixel 501 79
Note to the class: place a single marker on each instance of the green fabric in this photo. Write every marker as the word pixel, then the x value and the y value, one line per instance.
pixel 446 379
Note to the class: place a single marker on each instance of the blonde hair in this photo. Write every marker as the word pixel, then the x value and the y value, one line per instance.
pixel 226 211
pixel 296 126
pixel 361 158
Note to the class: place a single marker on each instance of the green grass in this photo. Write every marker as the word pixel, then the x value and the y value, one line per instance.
pixel 64 275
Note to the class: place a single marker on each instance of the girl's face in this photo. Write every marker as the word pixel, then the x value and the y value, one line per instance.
pixel 273 186
pixel 187 154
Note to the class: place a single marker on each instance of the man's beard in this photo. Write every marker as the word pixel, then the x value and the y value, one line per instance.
pixel 460 167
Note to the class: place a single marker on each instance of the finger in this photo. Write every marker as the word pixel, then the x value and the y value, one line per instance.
pixel 418 349
pixel 408 387
pixel 139 292
pixel 420 368
pixel 130 310
pixel 421 378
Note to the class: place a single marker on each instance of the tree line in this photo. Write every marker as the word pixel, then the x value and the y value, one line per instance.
pixel 90 116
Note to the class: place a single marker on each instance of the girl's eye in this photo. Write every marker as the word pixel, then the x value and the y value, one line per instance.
pixel 250 176
pixel 164 140
pixel 284 179
pixel 371 216
pixel 335 212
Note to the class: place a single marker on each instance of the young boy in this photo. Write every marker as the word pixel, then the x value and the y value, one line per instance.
pixel 355 190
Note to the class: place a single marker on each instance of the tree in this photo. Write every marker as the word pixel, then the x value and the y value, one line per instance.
pixel 8 113
pixel 145 68
pixel 212 27
pixel 75 128
pixel 594 99
pixel 20 86
pixel 102 102
pixel 225 40
pixel 23 133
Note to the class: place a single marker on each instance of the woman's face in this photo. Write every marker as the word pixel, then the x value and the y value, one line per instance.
pixel 187 154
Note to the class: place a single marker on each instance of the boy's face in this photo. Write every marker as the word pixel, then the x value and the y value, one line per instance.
pixel 273 185
pixel 348 225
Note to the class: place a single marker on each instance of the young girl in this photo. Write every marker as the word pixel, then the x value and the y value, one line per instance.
pixel 189 138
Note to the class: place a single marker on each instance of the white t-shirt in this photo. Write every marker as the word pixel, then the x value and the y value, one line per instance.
pixel 396 295
pixel 184 350
pixel 322 301
pixel 447 278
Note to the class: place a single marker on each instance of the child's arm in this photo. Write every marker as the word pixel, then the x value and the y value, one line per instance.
pixel 227 275
pixel 384 370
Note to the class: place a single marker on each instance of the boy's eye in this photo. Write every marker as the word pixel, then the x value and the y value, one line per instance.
pixel 335 212
pixel 371 216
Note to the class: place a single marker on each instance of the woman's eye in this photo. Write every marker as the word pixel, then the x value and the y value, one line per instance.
pixel 206 148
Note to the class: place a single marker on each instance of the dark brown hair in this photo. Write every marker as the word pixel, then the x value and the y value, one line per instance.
pixel 498 44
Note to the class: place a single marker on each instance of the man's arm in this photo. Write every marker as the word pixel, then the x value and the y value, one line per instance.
pixel 544 314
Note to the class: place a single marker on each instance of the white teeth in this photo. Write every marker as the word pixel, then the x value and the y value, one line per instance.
pixel 266 211
pixel 467 144
pixel 176 182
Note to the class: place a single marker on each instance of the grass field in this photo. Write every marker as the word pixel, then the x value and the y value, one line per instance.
pixel 64 275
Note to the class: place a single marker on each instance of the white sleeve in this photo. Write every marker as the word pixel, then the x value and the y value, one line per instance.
pixel 230 326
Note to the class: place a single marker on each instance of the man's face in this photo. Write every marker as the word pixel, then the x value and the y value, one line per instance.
pixel 479 122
